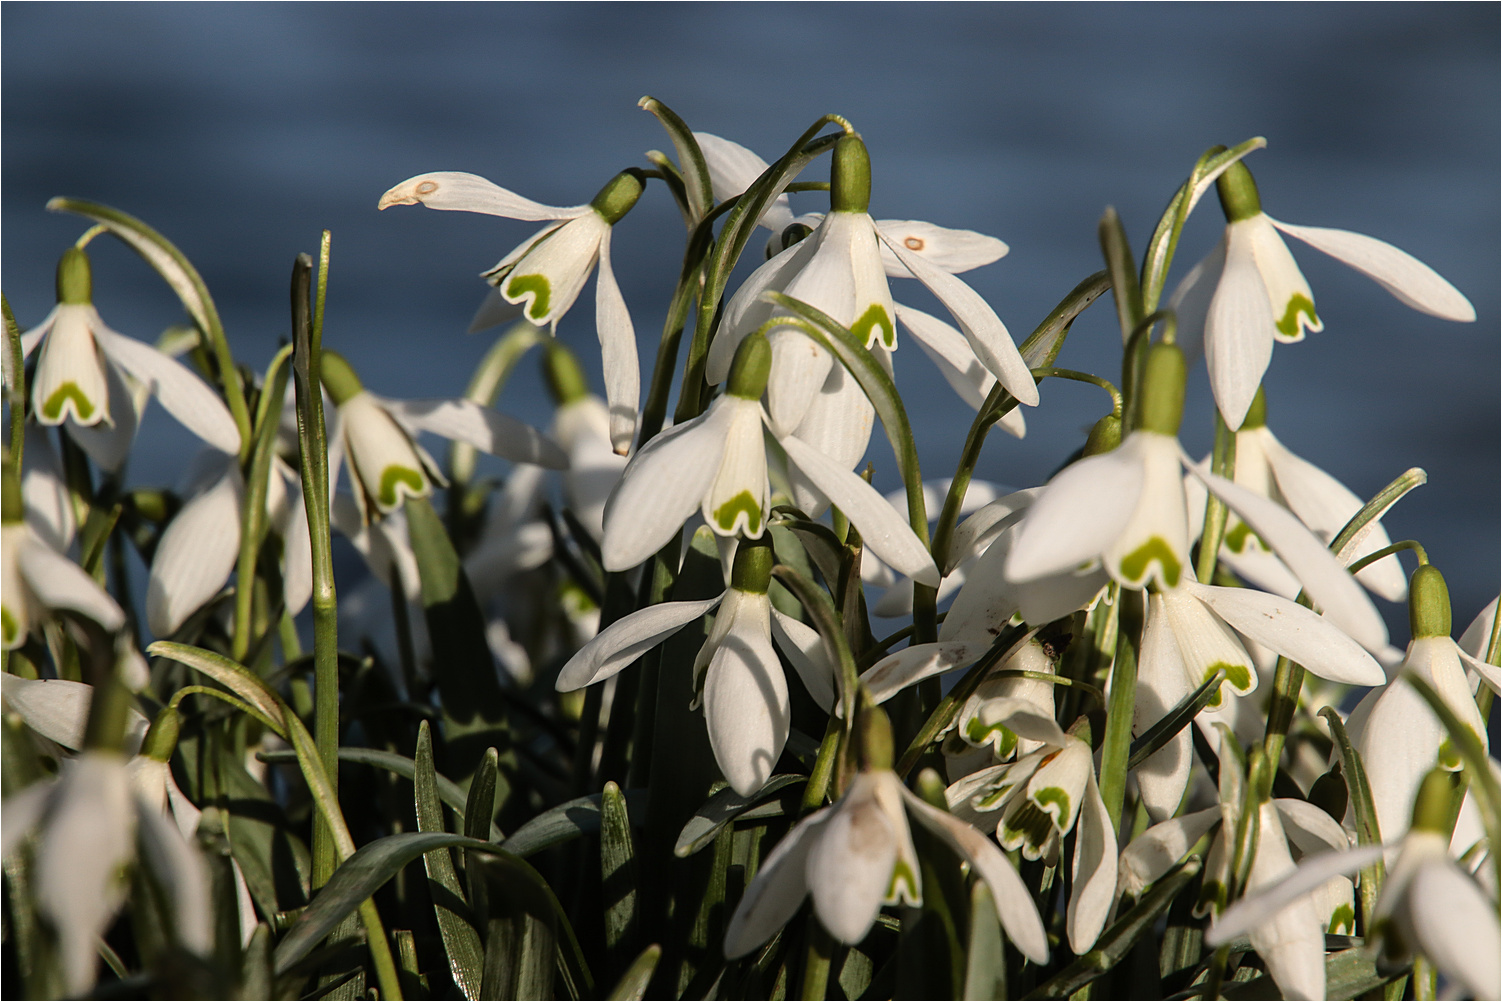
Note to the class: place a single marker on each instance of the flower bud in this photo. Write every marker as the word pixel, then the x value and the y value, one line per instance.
pixel 873 738
pixel 850 176
pixel 75 279
pixel 161 739
pixel 1428 603
pixel 750 368
pixel 565 379
pixel 1162 406
pixel 618 196
pixel 338 377
pixel 752 571
pixel 1238 193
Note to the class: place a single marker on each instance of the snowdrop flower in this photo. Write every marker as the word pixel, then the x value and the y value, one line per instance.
pixel 1126 509
pixel 742 687
pixel 79 382
pixel 1191 633
pixel 717 464
pixel 857 854
pixel 1040 796
pixel 839 268
pixel 581 424
pixel 35 578
pixel 378 436
pixel 1266 467
pixel 548 271
pixel 1249 292
pixel 1398 736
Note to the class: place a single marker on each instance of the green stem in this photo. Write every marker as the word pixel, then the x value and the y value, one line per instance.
pixel 1117 747
pixel 1387 551
pixel 654 411
pixel 818 779
pixel 18 376
pixel 1223 465
pixel 816 961
pixel 253 516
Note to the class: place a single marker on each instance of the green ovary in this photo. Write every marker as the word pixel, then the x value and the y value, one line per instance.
pixel 1343 921
pixel 518 286
pixel 394 475
pixel 725 514
pixel 1289 325
pixel 1134 565
pixel 52 409
pixel 875 317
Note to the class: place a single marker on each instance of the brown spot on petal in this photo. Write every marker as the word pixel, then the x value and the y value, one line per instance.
pixel 427 187
pixel 913 243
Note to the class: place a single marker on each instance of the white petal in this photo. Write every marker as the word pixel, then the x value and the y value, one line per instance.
pixel 1456 928
pixel 627 639
pixel 181 871
pixel 838 423
pixel 56 709
pixel 182 394
pixel 59 583
pixel 494 311
pixel 1412 281
pixel 485 429
pixel 23 812
pixel 746 701
pixel 911 665
pixel 70 378
pixel 1238 330
pixel 1014 903
pixel 1292 941
pixel 297 553
pixel 1093 871
pixel 617 352
pixel 953 251
pixel 978 322
pixel 49 506
pixel 779 888
pixel 1256 909
pixel 1477 636
pixel 738 500
pixel 1082 511
pixel 1309 828
pixel 883 531
pixel 747 310
pixel 1190 301
pixel 1486 670
pixel 1288 293
pixel 472 193
pixel 732 169
pixel 663 485
pixel 107 444
pixel 1154 544
pixel 952 354
pixel 196 554
pixel 1207 644
pixel 1154 852
pixel 1162 683
pixel 1297 633
pixel 804 649
pixel 552 272
pixel 850 868
pixel 799 370
pixel 1328 583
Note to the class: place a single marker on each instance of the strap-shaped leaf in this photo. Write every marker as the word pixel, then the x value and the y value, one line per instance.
pixel 567 822
pixel 618 869
pixel 691 166
pixel 633 984
pixel 1368 832
pixel 722 809
pixel 1478 765
pixel 1174 721
pixel 1349 974
pixel 230 674
pixel 985 957
pixel 461 942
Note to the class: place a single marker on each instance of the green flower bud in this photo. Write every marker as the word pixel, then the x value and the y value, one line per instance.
pixel 1431 807
pixel 750 368
pixel 930 787
pixel 1256 415
pixel 161 739
pixel 1104 436
pixel 618 196
pixel 14 506
pixel 1428 603
pixel 75 279
pixel 1162 406
pixel 1238 193
pixel 873 738
pixel 752 571
pixel 850 176
pixel 565 379
pixel 338 377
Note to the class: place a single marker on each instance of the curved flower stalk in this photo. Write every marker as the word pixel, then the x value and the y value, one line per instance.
pixel 1040 796
pixel 378 436
pixel 548 271
pixel 839 268
pixel 740 679
pixel 1250 293
pixel 1126 509
pixel 717 463
pixel 1398 735
pixel 81 376
pixel 1191 632
pixel 857 854
pixel 1265 466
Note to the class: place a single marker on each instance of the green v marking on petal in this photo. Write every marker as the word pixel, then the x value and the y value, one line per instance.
pixel 1134 565
pixel 518 286
pixel 9 628
pixel 394 475
pixel 978 733
pixel 52 409
pixel 1343 921
pixel 725 515
pixel 904 885
pixel 874 324
pixel 1056 797
pixel 1240 537
pixel 1238 677
pixel 1289 325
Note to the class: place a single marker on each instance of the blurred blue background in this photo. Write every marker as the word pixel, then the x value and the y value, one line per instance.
pixel 242 130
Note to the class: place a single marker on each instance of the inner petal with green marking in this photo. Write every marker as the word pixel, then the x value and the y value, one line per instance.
pixel 1239 538
pixel 519 287
pixel 1298 303
pixel 726 514
pixel 1135 564
pixel 10 628
pixel 904 885
pixel 1053 801
pixel 388 495
pixel 874 325
pixel 83 407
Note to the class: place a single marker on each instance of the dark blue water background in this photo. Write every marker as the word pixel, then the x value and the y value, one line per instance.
pixel 242 130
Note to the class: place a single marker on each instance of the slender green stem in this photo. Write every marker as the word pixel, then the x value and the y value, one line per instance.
pixel 818 779
pixel 253 516
pixel 826 620
pixel 1083 377
pixel 1223 465
pixel 1117 747
pixel 655 410
pixel 18 377
pixel 1387 551
pixel 816 960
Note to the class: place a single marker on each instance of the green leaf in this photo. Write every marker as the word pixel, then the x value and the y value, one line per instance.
pixel 479 806
pixel 618 869
pixel 820 544
pixel 1478 765
pixel 1174 721
pixel 633 984
pixel 722 809
pixel 1349 974
pixel 466 955
pixel 230 674
pixel 1123 272
pixel 565 823
pixel 985 958
pixel 520 934
pixel 1368 832
pixel 691 166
